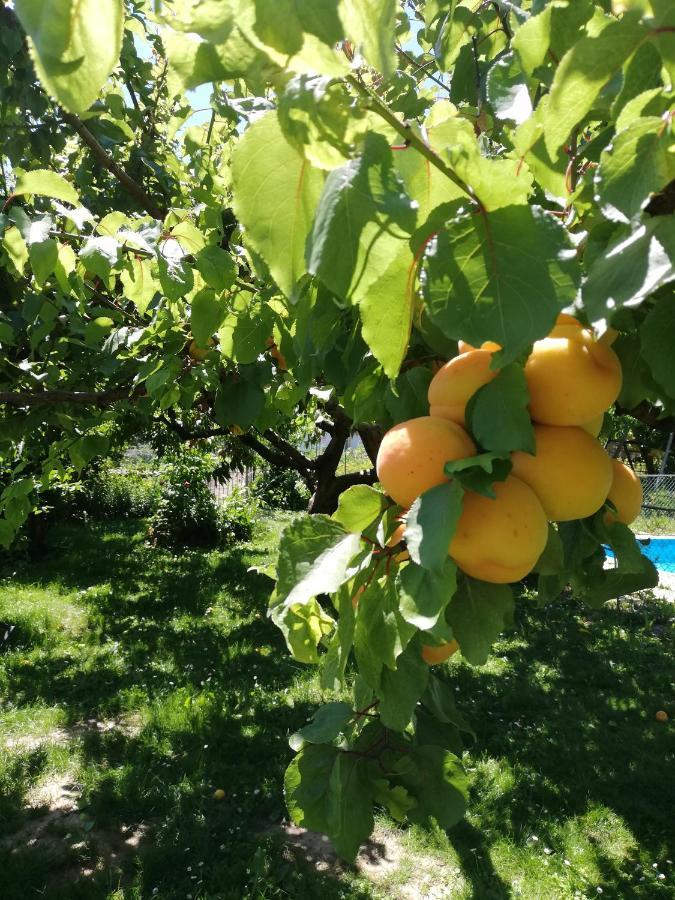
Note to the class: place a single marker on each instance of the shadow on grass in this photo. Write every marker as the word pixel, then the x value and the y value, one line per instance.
pixel 186 636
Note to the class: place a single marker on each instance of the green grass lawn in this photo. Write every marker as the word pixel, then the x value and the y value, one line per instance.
pixel 135 682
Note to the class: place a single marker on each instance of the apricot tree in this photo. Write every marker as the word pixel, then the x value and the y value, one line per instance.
pixel 378 189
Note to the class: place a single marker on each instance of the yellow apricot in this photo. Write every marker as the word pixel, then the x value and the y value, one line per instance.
pixel 625 493
pixel 458 380
pixel 594 427
pixel 570 473
pixel 465 347
pixel 413 454
pixel 433 655
pixel 198 353
pixel 500 539
pixel 571 377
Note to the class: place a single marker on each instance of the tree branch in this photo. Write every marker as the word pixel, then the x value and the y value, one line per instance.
pixel 410 136
pixel 649 415
pixel 131 186
pixel 300 460
pixel 78 398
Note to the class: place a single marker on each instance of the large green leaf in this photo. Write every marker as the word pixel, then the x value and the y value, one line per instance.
pixel 75 45
pixel 478 613
pixel 657 336
pixel 546 36
pixel 306 786
pixel 327 723
pixel 500 276
pixel 370 25
pixel 639 161
pixel 423 594
pixel 45 184
pixel 350 804
pixel 359 248
pixel 314 553
pixel 207 313
pixel 381 634
pixel 401 688
pixel 631 268
pixel 497 413
pixel 479 473
pixel 431 524
pixel 359 507
pixel 275 194
pixel 436 779
pixel 583 72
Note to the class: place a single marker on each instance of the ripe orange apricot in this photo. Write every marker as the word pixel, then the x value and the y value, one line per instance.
pixel 661 715
pixel 500 540
pixel 458 380
pixel 464 346
pixel 433 655
pixel 570 473
pixel 594 427
pixel 412 456
pixel 625 493
pixel 396 538
pixel 571 377
pixel 276 354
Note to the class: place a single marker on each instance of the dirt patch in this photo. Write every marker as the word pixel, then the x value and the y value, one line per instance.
pixel 129 726
pixel 400 872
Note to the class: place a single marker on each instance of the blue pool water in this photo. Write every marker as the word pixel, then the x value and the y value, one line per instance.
pixel 661 551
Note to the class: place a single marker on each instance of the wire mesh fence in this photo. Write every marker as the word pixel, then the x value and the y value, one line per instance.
pixel 655 525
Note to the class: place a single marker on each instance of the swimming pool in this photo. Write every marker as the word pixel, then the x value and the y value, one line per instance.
pixel 661 551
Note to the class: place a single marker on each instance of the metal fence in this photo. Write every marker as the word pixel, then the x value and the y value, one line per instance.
pixel 655 525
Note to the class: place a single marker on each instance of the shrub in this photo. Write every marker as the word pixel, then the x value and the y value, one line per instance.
pixel 187 513
pixel 280 489
pixel 237 516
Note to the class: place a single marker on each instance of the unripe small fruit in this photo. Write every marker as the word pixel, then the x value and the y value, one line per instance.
pixel 625 493
pixel 413 454
pixel 570 472
pixel 661 716
pixel 199 354
pixel 219 794
pixel 453 386
pixel 434 655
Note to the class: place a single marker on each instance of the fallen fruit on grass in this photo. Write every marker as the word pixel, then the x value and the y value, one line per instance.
pixel 412 456
pixel 219 794
pixel 661 716
pixel 434 655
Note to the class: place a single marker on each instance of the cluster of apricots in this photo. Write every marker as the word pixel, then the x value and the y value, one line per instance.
pixel 572 380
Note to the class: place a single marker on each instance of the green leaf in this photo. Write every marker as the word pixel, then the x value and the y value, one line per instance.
pixel 406 397
pixel 350 805
pixel 314 553
pixel 488 268
pixel 358 507
pixel 212 19
pixel 238 402
pixel 431 524
pixel 657 337
pixel 216 267
pixel 370 25
pixel 498 416
pixel 397 800
pixel 439 699
pixel 642 73
pixel 358 247
pixel 16 249
pixel 479 473
pixel 138 282
pixel 334 661
pixel 583 72
pixel 75 46
pixel 552 559
pixel 99 255
pixel 401 688
pixel 245 331
pixel 423 594
pixel 306 786
pixel 546 36
pixel 507 90
pixel 380 634
pixel 631 268
pixel 175 277
pixel 207 313
pixel 638 162
pixel 478 614
pixel 44 183
pixel 87 448
pixel 327 723
pixel 193 62
pixel 304 626
pixel 43 256
pixel 277 219
pixel 436 779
